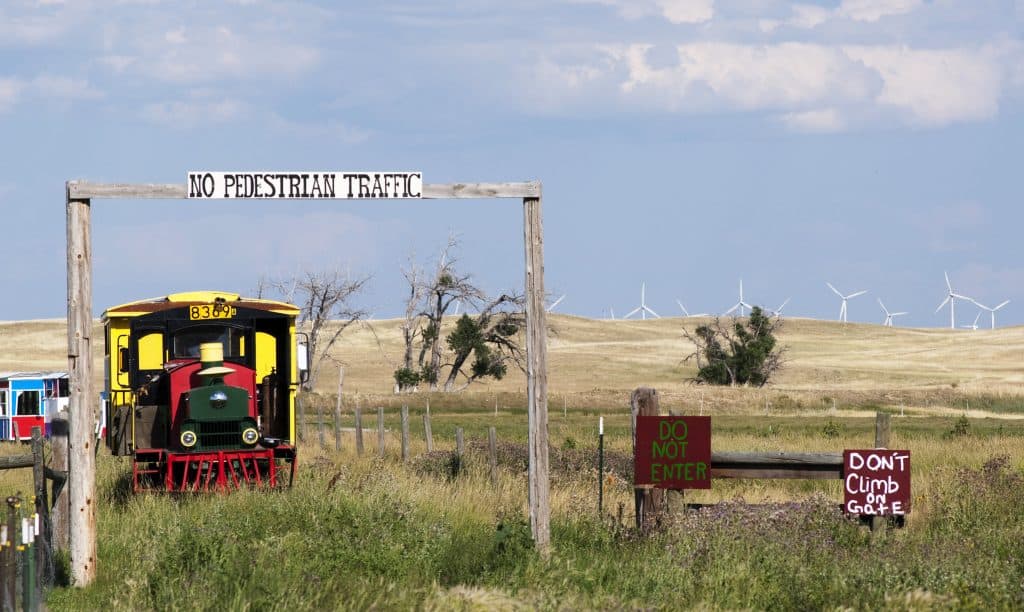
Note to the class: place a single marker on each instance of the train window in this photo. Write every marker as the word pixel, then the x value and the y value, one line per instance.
pixel 28 403
pixel 187 341
pixel 3 402
pixel 63 388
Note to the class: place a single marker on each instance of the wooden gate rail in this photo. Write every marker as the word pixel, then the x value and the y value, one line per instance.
pixel 807 466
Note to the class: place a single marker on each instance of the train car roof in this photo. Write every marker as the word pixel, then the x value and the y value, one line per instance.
pixel 177 300
pixel 31 375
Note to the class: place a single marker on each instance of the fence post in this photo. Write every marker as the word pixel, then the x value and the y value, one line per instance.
pixel 405 434
pixel 460 447
pixel 492 451
pixel 337 409
pixel 39 481
pixel 427 434
pixel 359 431
pixel 380 431
pixel 10 551
pixel 320 423
pixel 648 501
pixel 883 424
pixel 59 462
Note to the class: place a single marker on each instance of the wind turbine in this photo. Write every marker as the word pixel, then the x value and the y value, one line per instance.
pixel 778 311
pixel 974 325
pixel 642 308
pixel 555 303
pixel 842 309
pixel 991 311
pixel 952 297
pixel 740 304
pixel 686 313
pixel 612 310
pixel 888 315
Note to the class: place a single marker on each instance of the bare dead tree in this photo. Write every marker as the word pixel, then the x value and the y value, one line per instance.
pixel 492 337
pixel 446 288
pixel 323 297
pixel 406 378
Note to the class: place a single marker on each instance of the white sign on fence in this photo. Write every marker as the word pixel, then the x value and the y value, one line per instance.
pixel 305 185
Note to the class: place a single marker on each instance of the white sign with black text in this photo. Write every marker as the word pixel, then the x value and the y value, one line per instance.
pixel 305 185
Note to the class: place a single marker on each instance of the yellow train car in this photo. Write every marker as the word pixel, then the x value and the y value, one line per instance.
pixel 200 389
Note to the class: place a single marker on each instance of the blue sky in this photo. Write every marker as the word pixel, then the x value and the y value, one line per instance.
pixel 687 144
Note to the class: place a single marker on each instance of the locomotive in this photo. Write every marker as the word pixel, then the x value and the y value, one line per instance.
pixel 200 390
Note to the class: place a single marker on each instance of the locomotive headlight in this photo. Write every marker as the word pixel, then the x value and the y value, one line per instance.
pixel 188 439
pixel 250 435
pixel 219 399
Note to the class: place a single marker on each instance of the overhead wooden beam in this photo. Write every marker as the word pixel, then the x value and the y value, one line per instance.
pixel 86 190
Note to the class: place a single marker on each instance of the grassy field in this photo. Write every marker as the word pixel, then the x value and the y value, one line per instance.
pixel 363 532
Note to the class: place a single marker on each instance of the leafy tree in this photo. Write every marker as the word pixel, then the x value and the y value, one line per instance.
pixel 491 338
pixel 740 352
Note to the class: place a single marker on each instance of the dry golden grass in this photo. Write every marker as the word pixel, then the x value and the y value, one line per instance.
pixel 596 362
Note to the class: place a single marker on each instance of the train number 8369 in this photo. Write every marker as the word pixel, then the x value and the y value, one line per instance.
pixel 203 312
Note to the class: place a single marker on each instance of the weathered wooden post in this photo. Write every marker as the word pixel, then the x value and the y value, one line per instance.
pixel 60 510
pixel 320 423
pixel 427 434
pixel 41 508
pixel 460 446
pixel 337 409
pixel 537 376
pixel 359 431
pixel 405 434
pixel 648 500
pixel 883 424
pixel 82 456
pixel 380 431
pixel 492 453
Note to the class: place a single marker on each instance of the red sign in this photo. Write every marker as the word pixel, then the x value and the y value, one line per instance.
pixel 876 482
pixel 673 452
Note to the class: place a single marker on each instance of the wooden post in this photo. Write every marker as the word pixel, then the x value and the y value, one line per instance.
pixel 60 513
pixel 460 446
pixel 492 452
pixel 82 456
pixel 359 431
pixel 648 501
pixel 320 423
pixel 337 409
pixel 536 376
pixel 883 424
pixel 380 431
pixel 41 508
pixel 427 434
pixel 405 433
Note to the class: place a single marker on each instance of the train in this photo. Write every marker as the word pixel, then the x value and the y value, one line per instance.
pixel 199 390
pixel 30 399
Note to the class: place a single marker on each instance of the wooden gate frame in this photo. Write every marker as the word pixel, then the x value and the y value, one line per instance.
pixel 82 458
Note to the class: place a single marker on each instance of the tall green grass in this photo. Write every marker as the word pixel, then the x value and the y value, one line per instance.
pixel 361 532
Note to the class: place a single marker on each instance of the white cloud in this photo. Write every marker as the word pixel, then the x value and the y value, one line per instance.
pixel 10 90
pixel 809 16
pixel 807 86
pixel 873 10
pixel 190 113
pixel 783 76
pixel 219 53
pixel 823 121
pixel 675 11
pixel 64 89
pixel 936 86
pixel 687 11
